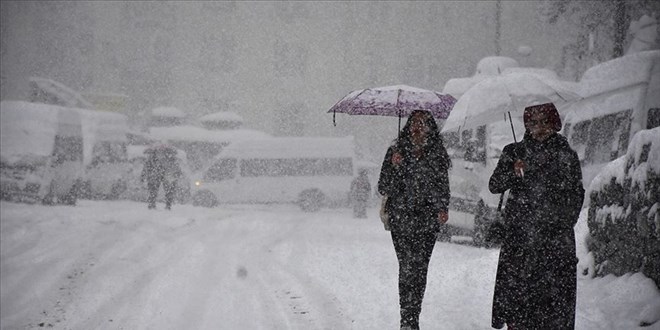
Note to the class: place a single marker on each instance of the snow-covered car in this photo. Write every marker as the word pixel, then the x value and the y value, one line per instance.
pixel 41 156
pixel 137 190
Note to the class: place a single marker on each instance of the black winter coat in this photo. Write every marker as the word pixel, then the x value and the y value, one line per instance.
pixel 417 190
pixel 158 168
pixel 536 274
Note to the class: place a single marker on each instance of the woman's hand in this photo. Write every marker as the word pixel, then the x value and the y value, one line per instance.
pixel 396 158
pixel 443 217
pixel 519 168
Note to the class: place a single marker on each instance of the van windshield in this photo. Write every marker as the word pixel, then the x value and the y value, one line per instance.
pixel 297 167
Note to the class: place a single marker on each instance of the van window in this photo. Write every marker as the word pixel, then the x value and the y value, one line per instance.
pixel 579 138
pixel 297 167
pixel 109 152
pixel 223 169
pixel 67 148
pixel 608 137
pixel 653 119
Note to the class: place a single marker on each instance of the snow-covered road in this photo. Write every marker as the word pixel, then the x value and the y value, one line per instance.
pixel 117 265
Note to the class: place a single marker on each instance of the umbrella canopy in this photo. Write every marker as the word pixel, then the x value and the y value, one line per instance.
pixel 397 101
pixel 493 98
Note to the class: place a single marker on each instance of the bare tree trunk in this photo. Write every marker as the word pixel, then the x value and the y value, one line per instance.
pixel 498 27
pixel 621 19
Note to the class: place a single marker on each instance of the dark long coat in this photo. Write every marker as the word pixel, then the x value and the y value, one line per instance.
pixel 536 274
pixel 419 186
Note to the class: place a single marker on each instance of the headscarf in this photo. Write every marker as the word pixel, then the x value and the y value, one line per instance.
pixel 550 112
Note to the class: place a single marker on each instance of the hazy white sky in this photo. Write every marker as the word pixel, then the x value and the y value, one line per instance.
pixel 280 65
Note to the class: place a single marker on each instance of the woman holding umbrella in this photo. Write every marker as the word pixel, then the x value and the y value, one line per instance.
pixel 414 177
pixel 535 286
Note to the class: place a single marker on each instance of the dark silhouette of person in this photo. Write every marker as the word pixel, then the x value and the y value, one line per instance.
pixel 161 167
pixel 414 177
pixel 360 193
pixel 535 287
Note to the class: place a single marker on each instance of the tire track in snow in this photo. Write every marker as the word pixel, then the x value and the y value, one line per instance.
pixel 306 304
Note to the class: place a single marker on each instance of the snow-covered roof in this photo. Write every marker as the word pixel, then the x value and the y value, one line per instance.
pixel 194 133
pixel 29 129
pixel 541 72
pixel 456 87
pixel 222 116
pixel 291 147
pixel 168 112
pixel 618 73
pixel 65 94
pixel 137 151
pixel 494 65
pixel 603 105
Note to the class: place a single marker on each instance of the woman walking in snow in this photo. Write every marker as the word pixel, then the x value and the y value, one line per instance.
pixel 414 177
pixel 536 281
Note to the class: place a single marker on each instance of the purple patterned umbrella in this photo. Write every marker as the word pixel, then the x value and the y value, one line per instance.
pixel 397 101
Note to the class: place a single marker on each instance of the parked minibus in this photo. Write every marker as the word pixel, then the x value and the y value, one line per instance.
pixel 620 98
pixel 312 172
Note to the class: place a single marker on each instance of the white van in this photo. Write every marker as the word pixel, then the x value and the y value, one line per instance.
pixel 621 97
pixel 476 152
pixel 310 171
pixel 106 161
pixel 40 152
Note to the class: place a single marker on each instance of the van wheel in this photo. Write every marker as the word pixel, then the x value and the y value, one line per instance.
pixel 311 200
pixel 205 198
pixel 85 190
pixel 49 198
pixel 72 197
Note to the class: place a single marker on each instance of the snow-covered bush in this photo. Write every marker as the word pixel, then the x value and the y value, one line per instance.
pixel 624 222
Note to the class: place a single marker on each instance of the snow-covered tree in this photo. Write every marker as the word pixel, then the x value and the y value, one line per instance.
pixel 604 27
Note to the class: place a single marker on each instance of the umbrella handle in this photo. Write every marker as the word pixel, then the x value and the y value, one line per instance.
pixel 512 130
pixel 334 114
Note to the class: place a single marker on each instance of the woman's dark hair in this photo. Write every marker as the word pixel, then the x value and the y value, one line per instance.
pixel 434 139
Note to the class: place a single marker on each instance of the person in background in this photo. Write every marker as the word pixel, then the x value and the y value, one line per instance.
pixel 360 193
pixel 161 167
pixel 415 179
pixel 535 286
